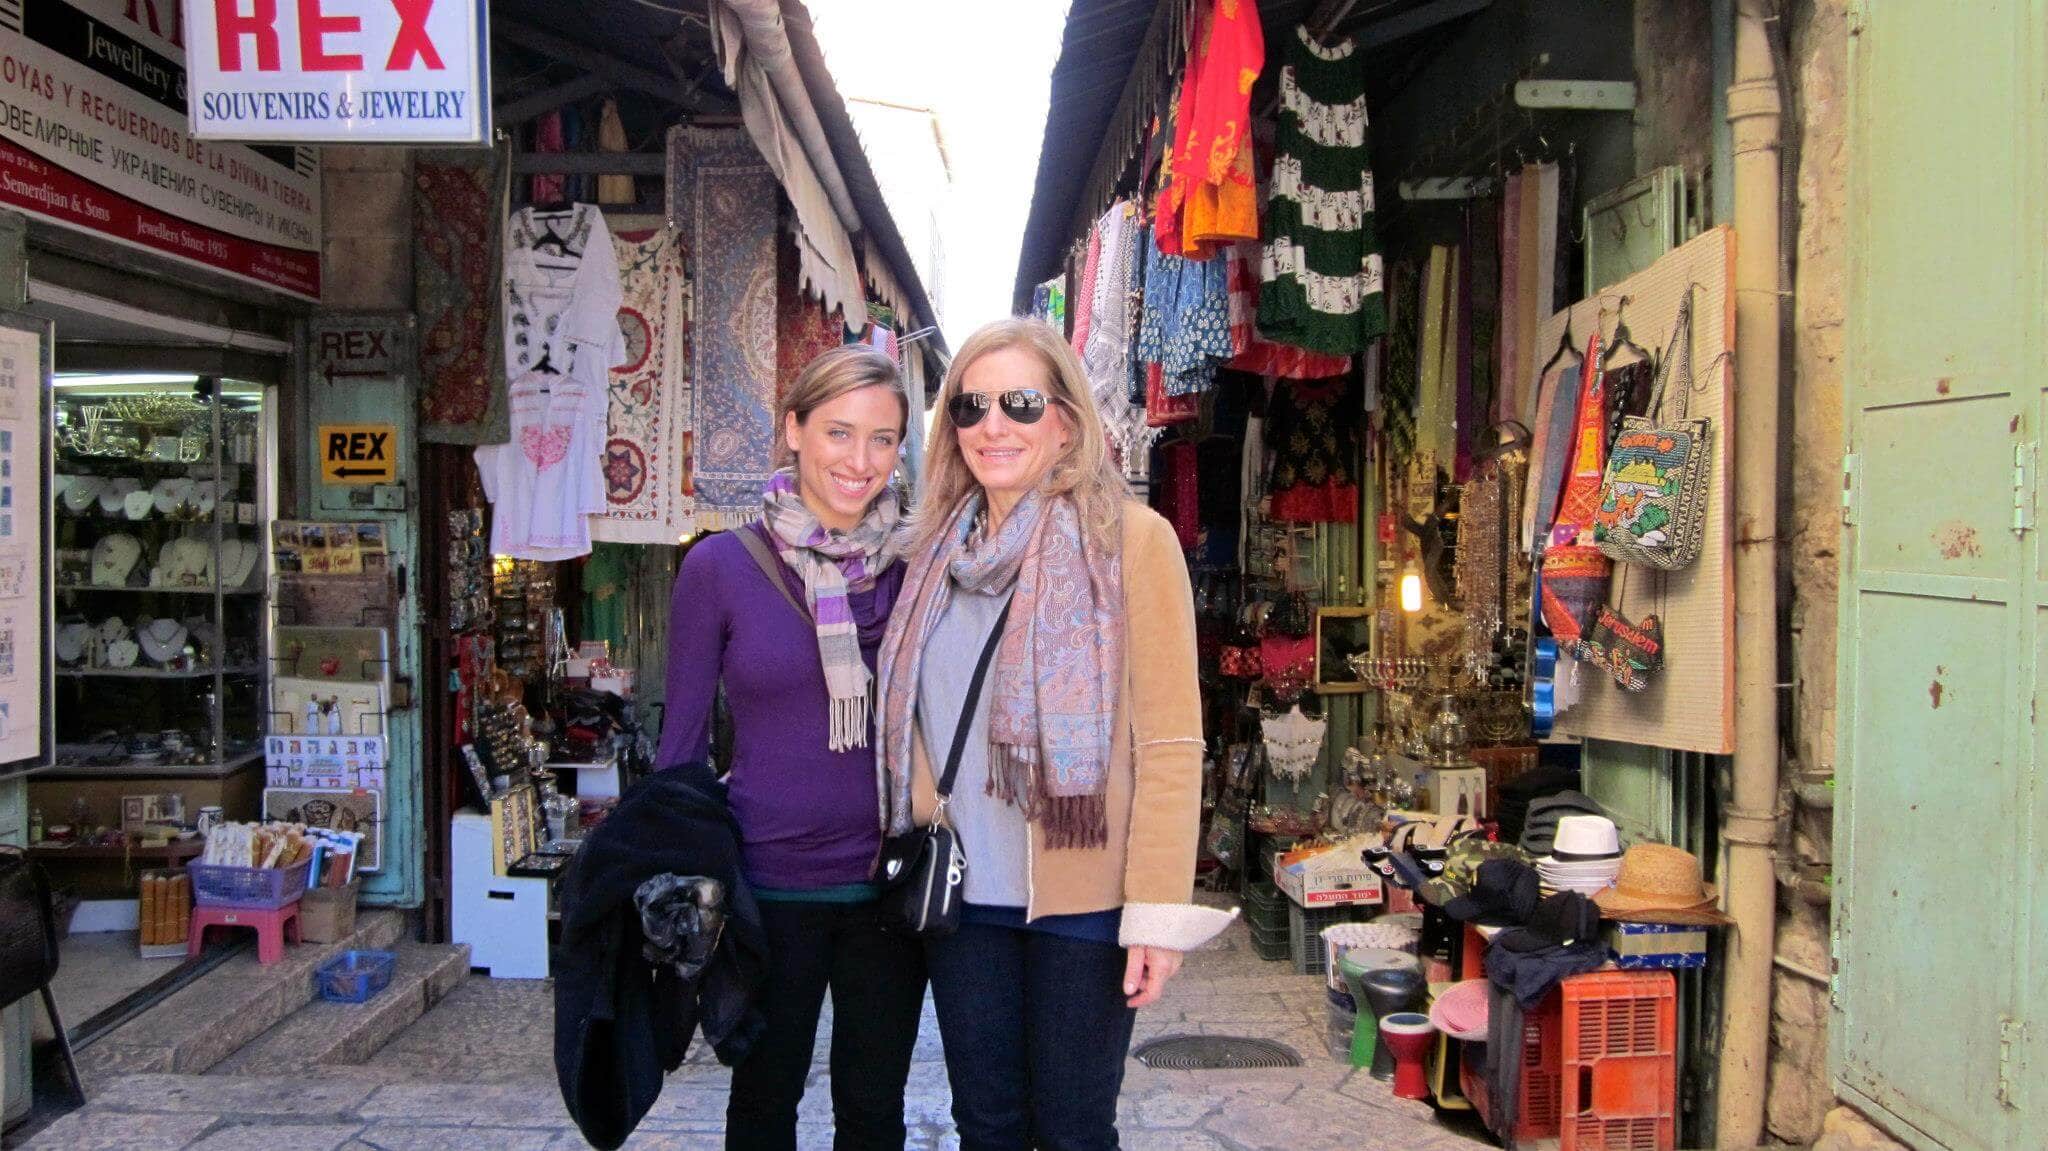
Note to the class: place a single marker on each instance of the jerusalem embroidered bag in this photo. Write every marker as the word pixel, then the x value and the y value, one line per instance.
pixel 1653 497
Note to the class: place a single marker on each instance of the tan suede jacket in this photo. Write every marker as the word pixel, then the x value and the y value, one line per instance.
pixel 1155 778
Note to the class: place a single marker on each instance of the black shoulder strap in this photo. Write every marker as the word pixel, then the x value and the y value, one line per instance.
pixel 988 653
pixel 770 566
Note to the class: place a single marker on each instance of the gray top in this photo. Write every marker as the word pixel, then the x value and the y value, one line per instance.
pixel 992 832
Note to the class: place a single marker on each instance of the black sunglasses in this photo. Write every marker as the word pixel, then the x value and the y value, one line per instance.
pixel 1020 406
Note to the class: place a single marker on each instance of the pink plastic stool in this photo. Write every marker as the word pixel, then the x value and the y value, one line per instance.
pixel 274 926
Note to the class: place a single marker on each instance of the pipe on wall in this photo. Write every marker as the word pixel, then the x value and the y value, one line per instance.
pixel 1749 825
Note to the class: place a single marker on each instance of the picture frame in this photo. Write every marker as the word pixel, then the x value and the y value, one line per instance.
pixel 1340 633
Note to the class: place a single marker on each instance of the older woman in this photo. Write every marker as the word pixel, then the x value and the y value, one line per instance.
pixel 1077 795
pixel 786 613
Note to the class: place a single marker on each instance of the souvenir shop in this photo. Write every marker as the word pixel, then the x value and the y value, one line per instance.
pixel 1417 324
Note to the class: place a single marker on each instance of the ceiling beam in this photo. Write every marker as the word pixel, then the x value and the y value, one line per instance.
pixel 548 99
pixel 1391 29
pixel 617 72
pixel 589 163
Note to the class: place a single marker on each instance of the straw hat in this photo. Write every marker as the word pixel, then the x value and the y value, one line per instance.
pixel 1660 884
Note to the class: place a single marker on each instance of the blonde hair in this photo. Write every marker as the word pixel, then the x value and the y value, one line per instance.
pixel 1084 470
pixel 844 369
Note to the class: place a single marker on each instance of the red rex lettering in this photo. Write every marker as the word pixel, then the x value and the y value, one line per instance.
pixel 410 45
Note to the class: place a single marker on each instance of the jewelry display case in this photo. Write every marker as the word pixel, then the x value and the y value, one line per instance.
pixel 161 499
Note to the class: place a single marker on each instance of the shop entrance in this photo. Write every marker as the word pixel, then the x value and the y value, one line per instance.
pixel 1942 605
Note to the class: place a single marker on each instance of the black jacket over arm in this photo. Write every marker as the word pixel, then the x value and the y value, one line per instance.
pixel 621 1023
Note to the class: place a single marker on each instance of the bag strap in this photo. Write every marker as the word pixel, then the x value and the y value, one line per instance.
pixel 769 564
pixel 1681 330
pixel 988 653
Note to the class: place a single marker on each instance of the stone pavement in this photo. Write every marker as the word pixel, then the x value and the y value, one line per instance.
pixel 477 1072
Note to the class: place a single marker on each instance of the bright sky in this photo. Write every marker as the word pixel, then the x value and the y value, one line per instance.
pixel 985 68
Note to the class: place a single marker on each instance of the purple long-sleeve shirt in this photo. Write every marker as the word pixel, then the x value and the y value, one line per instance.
pixel 807 814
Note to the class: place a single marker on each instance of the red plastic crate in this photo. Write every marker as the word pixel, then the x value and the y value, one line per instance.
pixel 1542 1061
pixel 1620 1090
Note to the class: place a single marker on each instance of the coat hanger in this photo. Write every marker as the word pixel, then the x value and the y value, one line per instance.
pixel 1565 346
pixel 1621 339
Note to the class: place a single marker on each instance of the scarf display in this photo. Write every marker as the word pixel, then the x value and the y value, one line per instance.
pixel 1056 673
pixel 458 222
pixel 833 566
pixel 646 465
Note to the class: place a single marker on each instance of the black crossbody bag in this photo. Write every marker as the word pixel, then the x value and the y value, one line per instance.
pixel 923 871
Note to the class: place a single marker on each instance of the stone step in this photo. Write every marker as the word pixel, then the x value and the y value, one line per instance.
pixel 229 1007
pixel 323 1034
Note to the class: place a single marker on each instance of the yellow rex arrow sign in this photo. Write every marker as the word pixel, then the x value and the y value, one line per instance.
pixel 358 453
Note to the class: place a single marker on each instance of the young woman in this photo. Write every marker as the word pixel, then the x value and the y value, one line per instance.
pixel 1077 798
pixel 786 614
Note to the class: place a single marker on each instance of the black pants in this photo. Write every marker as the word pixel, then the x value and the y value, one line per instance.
pixel 877 980
pixel 1036 1030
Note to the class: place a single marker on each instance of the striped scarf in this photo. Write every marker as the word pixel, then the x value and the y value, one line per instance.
pixel 833 566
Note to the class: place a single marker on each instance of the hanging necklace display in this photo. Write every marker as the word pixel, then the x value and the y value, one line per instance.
pixel 72 641
pixel 113 558
pixel 114 497
pixel 163 640
pixel 238 562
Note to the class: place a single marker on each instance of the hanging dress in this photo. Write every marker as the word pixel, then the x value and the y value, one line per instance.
pixel 1322 269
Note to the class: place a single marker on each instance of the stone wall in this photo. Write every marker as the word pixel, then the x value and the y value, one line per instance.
pixel 366 194
pixel 1799 1093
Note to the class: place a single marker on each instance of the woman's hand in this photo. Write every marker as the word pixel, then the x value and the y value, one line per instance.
pixel 1146 973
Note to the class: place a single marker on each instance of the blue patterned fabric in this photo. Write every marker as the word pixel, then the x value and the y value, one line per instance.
pixel 1198 335
pixel 723 194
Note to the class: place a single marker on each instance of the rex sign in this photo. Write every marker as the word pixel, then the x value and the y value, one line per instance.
pixel 339 71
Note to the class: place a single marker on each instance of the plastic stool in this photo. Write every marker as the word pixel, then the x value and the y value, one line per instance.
pixel 274 926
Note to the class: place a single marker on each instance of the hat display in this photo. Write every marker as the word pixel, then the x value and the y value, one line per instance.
pixel 1559 921
pixel 1539 830
pixel 1658 883
pixel 1461 1011
pixel 1585 857
pixel 1506 893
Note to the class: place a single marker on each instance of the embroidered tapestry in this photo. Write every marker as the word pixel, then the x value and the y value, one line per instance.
pixel 456 226
pixel 647 420
pixel 723 196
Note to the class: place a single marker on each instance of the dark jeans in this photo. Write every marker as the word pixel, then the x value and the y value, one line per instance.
pixel 876 975
pixel 1036 1031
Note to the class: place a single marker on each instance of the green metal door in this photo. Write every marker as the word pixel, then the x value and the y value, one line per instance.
pixel 1937 828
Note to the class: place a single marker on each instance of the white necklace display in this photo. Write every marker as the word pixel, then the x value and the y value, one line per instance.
pixel 122 652
pixel 82 492
pixel 238 562
pixel 170 495
pixel 111 629
pixel 205 494
pixel 163 640
pixel 1294 743
pixel 137 505
pixel 184 563
pixel 72 639
pixel 114 497
pixel 113 558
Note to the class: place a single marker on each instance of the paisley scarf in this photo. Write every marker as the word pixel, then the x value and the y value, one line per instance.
pixel 834 565
pixel 1056 672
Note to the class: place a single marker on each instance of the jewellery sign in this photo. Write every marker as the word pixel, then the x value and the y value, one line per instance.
pixel 340 71
pixel 92 136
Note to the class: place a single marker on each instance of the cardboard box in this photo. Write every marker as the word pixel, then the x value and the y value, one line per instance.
pixel 328 914
pixel 1654 946
pixel 1456 791
pixel 1328 876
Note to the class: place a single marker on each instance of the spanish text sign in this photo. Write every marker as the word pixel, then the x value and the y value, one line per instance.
pixel 339 71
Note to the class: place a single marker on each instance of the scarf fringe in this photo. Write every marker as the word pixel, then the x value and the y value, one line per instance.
pixel 850 723
pixel 1069 821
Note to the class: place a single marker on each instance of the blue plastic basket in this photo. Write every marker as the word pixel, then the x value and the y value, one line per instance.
pixel 355 976
pixel 262 888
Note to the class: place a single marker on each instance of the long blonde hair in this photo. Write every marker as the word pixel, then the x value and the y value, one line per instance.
pixel 1084 470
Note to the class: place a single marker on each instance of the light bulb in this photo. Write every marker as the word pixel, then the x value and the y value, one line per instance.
pixel 1411 591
